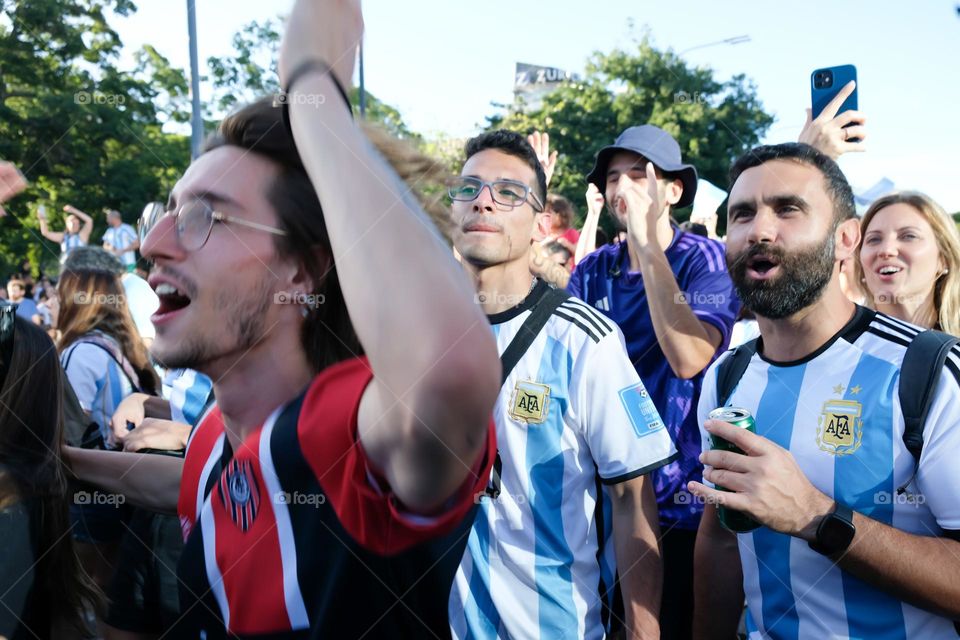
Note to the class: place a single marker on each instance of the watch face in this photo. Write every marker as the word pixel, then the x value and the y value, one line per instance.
pixel 835 534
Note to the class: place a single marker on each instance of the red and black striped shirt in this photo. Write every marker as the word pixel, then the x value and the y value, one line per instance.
pixel 293 535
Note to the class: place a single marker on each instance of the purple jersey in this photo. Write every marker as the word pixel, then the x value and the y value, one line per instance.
pixel 604 281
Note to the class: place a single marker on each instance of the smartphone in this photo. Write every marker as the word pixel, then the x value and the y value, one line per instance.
pixel 826 83
pixel 41 212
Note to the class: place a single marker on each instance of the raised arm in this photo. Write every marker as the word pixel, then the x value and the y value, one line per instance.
pixel 588 235
pixel 53 236
pixel 85 218
pixel 424 419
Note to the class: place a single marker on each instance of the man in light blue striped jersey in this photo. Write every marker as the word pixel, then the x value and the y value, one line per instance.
pixel 858 538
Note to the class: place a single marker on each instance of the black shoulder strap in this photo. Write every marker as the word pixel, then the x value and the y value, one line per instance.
pixel 919 376
pixel 731 370
pixel 530 328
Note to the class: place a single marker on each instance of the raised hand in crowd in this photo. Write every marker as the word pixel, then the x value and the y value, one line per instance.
pixel 640 205
pixel 829 133
pixel 541 146
pixel 588 234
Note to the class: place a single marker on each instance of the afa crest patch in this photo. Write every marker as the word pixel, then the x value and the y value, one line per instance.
pixel 839 427
pixel 639 407
pixel 530 402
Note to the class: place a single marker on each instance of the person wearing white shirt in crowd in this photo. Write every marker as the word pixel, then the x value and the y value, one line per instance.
pixel 121 240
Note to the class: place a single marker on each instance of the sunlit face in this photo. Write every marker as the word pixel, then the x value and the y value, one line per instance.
pixel 73 224
pixel 780 237
pixel 899 256
pixel 488 233
pixel 15 291
pixel 217 302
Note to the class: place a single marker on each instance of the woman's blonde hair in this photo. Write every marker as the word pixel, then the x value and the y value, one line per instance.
pixel 946 288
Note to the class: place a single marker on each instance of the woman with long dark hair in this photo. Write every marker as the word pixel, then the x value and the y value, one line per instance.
pixel 42 588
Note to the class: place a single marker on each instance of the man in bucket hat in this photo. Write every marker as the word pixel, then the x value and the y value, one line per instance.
pixel 670 293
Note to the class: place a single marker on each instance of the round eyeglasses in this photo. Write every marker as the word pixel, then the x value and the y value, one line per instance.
pixel 193 222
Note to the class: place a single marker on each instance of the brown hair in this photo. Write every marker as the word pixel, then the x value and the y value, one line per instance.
pixel 32 473
pixel 95 301
pixel 563 208
pixel 327 334
pixel 946 288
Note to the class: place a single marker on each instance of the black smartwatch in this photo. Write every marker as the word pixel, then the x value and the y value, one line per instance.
pixel 835 532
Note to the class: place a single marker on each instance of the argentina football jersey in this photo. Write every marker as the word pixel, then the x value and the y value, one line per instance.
pixel 572 417
pixel 838 412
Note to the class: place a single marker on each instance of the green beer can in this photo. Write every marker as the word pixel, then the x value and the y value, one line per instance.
pixel 735 521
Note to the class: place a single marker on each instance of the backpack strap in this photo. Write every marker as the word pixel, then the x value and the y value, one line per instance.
pixel 530 329
pixel 919 377
pixel 116 355
pixel 731 370
pixel 527 333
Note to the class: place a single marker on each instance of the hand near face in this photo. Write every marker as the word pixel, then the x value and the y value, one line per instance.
pixel 639 205
pixel 329 31
pixel 541 146
pixel 827 133
pixel 766 483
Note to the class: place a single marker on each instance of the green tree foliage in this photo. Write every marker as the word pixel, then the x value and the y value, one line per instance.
pixel 713 121
pixel 83 131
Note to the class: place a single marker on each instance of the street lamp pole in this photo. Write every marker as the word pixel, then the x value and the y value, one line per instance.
pixel 196 119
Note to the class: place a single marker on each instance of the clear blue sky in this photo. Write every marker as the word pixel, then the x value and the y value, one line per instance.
pixel 443 62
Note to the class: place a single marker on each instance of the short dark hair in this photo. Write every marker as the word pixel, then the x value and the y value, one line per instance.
pixel 514 144
pixel 837 186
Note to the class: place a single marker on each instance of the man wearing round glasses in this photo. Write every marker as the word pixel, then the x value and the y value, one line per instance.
pixel 352 425
pixel 572 414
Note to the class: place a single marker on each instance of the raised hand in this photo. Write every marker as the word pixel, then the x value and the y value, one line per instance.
pixel 827 134
pixel 639 205
pixel 594 201
pixel 541 145
pixel 329 31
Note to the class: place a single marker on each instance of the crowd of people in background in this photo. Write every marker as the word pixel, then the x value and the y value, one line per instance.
pixel 268 425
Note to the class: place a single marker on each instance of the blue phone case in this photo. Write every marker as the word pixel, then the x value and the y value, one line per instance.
pixel 821 97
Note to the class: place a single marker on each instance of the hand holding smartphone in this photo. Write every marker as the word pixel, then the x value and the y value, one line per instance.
pixel 834 125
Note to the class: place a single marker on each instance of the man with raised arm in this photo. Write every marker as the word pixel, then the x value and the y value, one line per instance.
pixel 352 427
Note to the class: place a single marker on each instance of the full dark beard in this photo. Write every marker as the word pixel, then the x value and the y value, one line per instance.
pixel 803 277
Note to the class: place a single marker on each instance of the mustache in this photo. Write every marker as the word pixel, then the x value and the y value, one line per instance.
pixel 739 261
pixel 487 222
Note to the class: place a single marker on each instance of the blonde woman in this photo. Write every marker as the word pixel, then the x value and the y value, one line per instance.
pixel 909 261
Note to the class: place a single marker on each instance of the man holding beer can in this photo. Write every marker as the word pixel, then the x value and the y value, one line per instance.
pixel 857 532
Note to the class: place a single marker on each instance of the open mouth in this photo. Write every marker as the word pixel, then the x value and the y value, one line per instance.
pixel 171 299
pixel 889 270
pixel 762 265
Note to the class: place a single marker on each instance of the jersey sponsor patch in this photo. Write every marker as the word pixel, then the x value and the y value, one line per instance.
pixel 239 492
pixel 639 407
pixel 530 402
